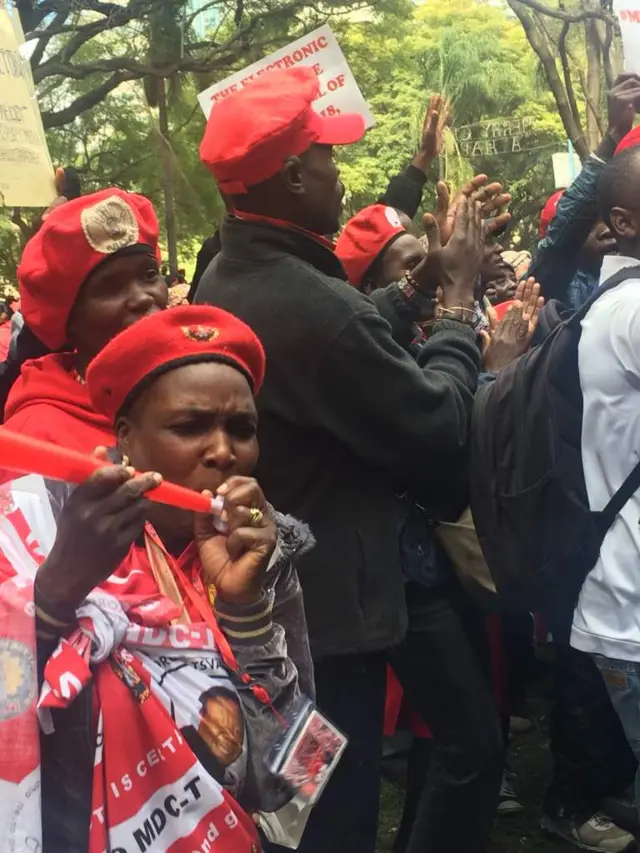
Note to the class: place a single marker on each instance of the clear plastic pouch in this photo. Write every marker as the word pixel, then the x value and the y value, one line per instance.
pixel 305 756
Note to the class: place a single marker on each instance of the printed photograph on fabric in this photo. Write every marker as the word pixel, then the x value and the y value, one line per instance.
pixel 197 692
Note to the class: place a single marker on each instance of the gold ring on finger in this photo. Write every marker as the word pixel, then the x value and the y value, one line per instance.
pixel 256 516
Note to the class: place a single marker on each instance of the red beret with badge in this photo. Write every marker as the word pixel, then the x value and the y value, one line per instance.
pixel 165 341
pixel 251 132
pixel 364 237
pixel 75 238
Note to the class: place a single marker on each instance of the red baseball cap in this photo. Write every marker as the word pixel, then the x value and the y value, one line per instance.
pixel 165 341
pixel 251 132
pixel 630 140
pixel 364 237
pixel 75 238
pixel 549 212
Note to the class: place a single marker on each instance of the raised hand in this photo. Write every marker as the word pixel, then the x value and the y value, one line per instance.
pixel 453 267
pixel 491 196
pixel 623 101
pixel 236 563
pixel 493 199
pixel 512 336
pixel 436 119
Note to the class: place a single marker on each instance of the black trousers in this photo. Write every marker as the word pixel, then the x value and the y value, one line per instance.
pixel 440 671
pixel 442 674
pixel 350 690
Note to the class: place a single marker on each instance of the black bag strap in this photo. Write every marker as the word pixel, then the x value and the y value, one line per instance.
pixel 626 491
pixel 609 284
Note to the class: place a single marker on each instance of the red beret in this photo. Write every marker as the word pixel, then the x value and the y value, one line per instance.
pixel 167 340
pixel 74 239
pixel 251 132
pixel 549 212
pixel 630 140
pixel 363 238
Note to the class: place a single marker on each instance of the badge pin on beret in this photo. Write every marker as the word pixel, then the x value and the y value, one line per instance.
pixel 392 217
pixel 110 225
pixel 200 334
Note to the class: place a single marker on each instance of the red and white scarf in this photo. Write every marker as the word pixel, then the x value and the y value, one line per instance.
pixel 150 792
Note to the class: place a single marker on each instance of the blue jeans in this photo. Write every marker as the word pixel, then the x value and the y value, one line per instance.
pixel 622 678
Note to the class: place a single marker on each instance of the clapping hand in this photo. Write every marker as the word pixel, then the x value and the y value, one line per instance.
pixel 490 195
pixel 453 267
pixel 511 337
pixel 623 102
pixel 436 119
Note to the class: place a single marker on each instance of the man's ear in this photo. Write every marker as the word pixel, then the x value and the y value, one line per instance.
pixel 292 175
pixel 624 223
pixel 122 431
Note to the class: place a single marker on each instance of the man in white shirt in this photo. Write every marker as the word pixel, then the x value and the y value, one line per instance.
pixel 606 621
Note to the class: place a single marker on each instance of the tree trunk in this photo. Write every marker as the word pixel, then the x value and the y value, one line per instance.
pixel 537 41
pixel 592 94
pixel 166 176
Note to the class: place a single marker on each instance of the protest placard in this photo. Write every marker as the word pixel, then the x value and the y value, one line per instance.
pixel 339 92
pixel 26 172
pixel 628 12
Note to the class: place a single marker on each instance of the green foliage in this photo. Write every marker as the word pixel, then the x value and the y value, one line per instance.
pixel 478 57
pixel 474 51
pixel 10 249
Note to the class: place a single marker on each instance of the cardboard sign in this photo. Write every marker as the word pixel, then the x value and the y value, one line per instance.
pixel 628 12
pixel 339 92
pixel 26 171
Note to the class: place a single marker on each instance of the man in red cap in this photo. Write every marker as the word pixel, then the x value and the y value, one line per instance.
pixel 403 193
pixel 347 417
pixel 376 246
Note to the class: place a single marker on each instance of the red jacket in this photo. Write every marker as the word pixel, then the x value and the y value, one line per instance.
pixel 49 403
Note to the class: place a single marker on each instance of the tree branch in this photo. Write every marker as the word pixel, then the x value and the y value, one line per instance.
pixel 605 45
pixel 52 61
pixel 119 17
pixel 535 37
pixel 45 36
pixel 562 15
pixel 85 102
pixel 566 71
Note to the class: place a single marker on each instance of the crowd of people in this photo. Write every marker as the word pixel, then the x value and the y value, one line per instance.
pixel 323 397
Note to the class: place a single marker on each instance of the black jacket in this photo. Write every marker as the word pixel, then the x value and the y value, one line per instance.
pixel 344 412
pixel 404 193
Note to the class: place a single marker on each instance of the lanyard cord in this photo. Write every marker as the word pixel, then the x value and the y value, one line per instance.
pixel 204 609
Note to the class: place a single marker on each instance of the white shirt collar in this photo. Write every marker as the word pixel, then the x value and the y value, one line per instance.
pixel 611 264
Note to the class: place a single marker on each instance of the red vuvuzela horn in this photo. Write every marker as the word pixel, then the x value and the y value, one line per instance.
pixel 31 456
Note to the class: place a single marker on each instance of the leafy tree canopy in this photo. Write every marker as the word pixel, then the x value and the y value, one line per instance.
pixel 97 65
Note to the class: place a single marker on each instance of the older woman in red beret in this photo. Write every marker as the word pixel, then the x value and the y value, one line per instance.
pixel 187 616
pixel 90 272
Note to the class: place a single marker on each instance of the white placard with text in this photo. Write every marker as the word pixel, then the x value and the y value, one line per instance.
pixel 339 92
pixel 628 12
